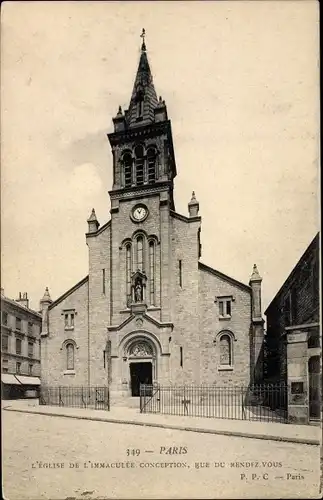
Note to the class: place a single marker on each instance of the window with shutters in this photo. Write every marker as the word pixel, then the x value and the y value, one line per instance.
pixel 5 343
pixel 4 318
pixel 139 155
pixel 30 349
pixel 127 165
pixel 151 164
pixel 18 346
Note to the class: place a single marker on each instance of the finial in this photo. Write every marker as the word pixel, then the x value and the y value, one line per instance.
pixel 143 45
pixel 193 206
pixel 46 296
pixel 119 111
pixel 255 276
pixel 92 216
pixel 193 199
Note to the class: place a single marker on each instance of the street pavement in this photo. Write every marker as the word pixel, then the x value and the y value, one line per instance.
pixel 47 457
pixel 305 434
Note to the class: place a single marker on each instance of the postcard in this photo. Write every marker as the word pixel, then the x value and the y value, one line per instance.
pixel 160 305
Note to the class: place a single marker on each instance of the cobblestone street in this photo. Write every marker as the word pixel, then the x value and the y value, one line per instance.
pixel 62 458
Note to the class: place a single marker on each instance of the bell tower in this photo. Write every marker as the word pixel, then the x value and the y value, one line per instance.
pixel 142 199
pixel 141 143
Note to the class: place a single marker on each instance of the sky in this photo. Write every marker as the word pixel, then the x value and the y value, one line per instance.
pixel 241 84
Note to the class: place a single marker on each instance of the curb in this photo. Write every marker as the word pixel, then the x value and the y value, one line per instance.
pixel 313 442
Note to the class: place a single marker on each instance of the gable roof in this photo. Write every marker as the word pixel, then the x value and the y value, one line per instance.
pixel 69 292
pixel 224 277
pixel 312 246
pixel 21 307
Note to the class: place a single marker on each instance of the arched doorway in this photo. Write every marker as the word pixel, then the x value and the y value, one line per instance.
pixel 142 364
pixel 314 387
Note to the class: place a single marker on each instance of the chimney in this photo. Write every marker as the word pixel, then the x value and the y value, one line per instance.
pixel 23 299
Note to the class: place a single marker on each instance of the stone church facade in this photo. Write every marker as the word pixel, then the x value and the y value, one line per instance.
pixel 149 310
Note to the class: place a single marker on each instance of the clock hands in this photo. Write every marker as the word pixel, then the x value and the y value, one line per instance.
pixel 139 213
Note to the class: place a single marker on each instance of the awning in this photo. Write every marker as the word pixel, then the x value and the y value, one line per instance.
pixel 8 378
pixel 28 380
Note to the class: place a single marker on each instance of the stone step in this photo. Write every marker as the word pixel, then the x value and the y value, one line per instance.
pixel 129 402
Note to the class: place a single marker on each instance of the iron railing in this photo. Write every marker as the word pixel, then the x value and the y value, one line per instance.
pixel 75 397
pixel 254 402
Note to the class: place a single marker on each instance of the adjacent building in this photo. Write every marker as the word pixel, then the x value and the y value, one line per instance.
pixel 293 340
pixel 149 310
pixel 20 348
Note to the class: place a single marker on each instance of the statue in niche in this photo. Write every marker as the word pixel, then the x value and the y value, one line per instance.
pixel 138 290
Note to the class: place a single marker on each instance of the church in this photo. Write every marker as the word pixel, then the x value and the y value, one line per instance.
pixel 149 311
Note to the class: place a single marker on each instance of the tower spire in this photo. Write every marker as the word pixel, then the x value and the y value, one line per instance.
pixel 143 100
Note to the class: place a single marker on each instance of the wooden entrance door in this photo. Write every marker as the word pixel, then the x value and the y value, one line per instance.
pixel 314 387
pixel 140 373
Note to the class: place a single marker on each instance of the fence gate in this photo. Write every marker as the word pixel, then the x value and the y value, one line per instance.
pixel 149 398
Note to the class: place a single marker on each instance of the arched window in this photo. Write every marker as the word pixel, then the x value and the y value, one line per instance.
pixel 152 272
pixel 139 154
pixel 225 350
pixel 128 272
pixel 69 356
pixel 151 162
pixel 140 253
pixel 127 165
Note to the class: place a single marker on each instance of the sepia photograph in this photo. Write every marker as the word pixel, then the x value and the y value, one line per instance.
pixel 160 250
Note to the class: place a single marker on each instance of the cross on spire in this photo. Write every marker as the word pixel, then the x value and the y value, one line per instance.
pixel 143 34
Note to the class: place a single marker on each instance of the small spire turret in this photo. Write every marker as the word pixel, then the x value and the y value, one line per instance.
pixel 46 297
pixel 193 206
pixel 93 222
pixel 255 274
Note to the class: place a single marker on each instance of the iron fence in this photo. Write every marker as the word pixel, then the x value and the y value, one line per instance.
pixel 76 397
pixel 267 403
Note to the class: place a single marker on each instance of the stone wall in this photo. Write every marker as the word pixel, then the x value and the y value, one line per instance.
pixel 54 365
pixel 184 295
pixel 210 325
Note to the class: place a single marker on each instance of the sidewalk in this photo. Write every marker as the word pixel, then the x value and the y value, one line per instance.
pixel 303 434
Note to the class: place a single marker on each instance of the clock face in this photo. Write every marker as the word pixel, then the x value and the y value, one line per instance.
pixel 139 213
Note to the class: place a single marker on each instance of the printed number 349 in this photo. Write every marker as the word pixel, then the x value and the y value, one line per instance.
pixel 133 452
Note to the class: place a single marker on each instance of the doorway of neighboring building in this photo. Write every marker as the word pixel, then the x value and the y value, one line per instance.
pixel 314 387
pixel 140 373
